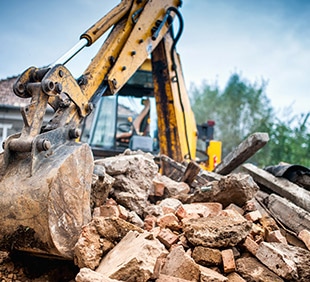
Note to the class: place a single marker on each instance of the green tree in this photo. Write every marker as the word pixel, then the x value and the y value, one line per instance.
pixel 289 141
pixel 243 108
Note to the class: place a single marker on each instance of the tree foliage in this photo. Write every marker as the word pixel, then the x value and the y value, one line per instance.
pixel 243 108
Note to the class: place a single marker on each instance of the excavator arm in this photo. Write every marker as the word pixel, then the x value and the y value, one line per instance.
pixel 45 174
pixel 137 29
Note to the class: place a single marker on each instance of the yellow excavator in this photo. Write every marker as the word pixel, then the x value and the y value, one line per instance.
pixel 46 173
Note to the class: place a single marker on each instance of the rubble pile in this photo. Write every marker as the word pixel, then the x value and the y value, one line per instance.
pixel 147 226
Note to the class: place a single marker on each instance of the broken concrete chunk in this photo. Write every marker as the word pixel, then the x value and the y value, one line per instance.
pixel 135 219
pixel 88 249
pixel 133 176
pixel 235 277
pixel 164 187
pixel 123 164
pixel 218 231
pixel 168 278
pixel 133 258
pixel 98 237
pixel 88 275
pixel 207 275
pixel 196 210
pixel 180 265
pixel 240 188
pixel 101 186
pixel 287 261
pixel 170 205
pixel 252 270
pixel 207 256
pixel 114 228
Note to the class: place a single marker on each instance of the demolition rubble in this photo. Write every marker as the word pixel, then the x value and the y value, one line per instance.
pixel 184 224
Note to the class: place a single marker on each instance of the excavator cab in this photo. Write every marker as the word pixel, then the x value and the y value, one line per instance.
pixel 126 120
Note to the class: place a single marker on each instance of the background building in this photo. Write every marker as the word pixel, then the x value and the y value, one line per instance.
pixel 10 116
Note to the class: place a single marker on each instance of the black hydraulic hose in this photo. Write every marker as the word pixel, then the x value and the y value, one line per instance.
pixel 174 68
pixel 178 36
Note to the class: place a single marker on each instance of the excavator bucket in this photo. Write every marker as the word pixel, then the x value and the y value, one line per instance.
pixel 45 175
pixel 45 196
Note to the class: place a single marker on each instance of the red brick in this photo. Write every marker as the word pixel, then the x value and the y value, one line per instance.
pixel 229 264
pixel 167 237
pixel 250 245
pixel 169 220
pixel 207 256
pixel 159 188
pixel 123 213
pixel 181 212
pixel 150 222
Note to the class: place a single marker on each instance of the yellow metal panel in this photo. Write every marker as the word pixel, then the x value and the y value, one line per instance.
pixel 177 126
pixel 139 44
pixel 215 154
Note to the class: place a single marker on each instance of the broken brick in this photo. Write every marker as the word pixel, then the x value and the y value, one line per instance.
pixel 253 215
pixel 167 237
pixel 250 245
pixel 229 264
pixel 304 235
pixel 169 220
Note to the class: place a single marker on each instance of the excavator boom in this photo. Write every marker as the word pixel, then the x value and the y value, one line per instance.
pixel 46 175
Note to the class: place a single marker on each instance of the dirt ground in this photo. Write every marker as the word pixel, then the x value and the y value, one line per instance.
pixel 18 266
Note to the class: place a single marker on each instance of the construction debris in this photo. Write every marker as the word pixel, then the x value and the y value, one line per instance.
pixel 147 226
pixel 281 186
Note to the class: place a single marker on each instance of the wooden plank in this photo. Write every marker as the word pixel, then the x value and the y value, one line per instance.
pixel 177 171
pixel 191 172
pixel 296 194
pixel 292 216
pixel 243 152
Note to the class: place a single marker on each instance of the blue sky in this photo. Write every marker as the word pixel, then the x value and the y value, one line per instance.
pixel 266 39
